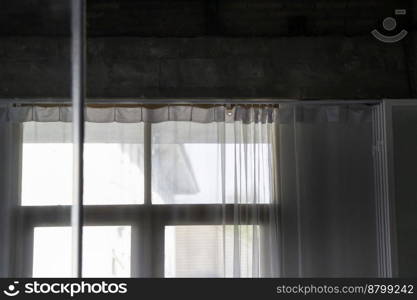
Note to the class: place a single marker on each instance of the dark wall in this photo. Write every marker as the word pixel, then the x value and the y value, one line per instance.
pixel 210 48
pixel 190 18
pixel 287 67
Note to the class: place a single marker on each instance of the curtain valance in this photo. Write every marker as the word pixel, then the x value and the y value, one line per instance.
pixel 285 113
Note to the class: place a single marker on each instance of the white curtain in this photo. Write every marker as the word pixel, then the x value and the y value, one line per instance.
pixel 328 200
pixel 188 191
pixel 230 168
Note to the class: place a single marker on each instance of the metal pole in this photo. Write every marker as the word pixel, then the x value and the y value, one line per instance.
pixel 190 101
pixel 78 98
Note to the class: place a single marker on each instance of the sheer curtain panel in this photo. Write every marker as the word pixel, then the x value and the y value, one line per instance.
pixel 283 190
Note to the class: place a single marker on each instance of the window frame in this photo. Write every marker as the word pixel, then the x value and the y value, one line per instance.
pixel 147 222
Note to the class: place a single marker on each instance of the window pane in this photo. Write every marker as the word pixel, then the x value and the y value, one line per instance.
pixel 188 160
pixel 106 251
pixel 47 183
pixel 209 250
pixel 113 164
pixel 185 163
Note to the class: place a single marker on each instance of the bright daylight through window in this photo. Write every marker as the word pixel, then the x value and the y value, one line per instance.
pixel 182 213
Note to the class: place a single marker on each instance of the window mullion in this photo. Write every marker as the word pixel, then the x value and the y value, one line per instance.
pixel 146 258
pixel 147 165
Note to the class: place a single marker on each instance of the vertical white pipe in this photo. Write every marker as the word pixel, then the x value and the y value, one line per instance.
pixel 78 99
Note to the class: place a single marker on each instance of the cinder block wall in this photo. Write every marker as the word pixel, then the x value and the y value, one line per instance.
pixel 286 67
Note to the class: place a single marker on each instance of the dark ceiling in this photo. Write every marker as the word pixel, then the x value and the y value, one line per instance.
pixel 182 18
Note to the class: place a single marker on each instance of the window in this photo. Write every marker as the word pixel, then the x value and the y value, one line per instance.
pixel 135 226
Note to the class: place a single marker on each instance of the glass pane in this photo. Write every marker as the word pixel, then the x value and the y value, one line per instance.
pixel 187 160
pixel 106 251
pixel 209 250
pixel 47 163
pixel 113 160
pixel 113 163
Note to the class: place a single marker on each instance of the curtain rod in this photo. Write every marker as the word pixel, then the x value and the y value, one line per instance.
pixel 184 101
